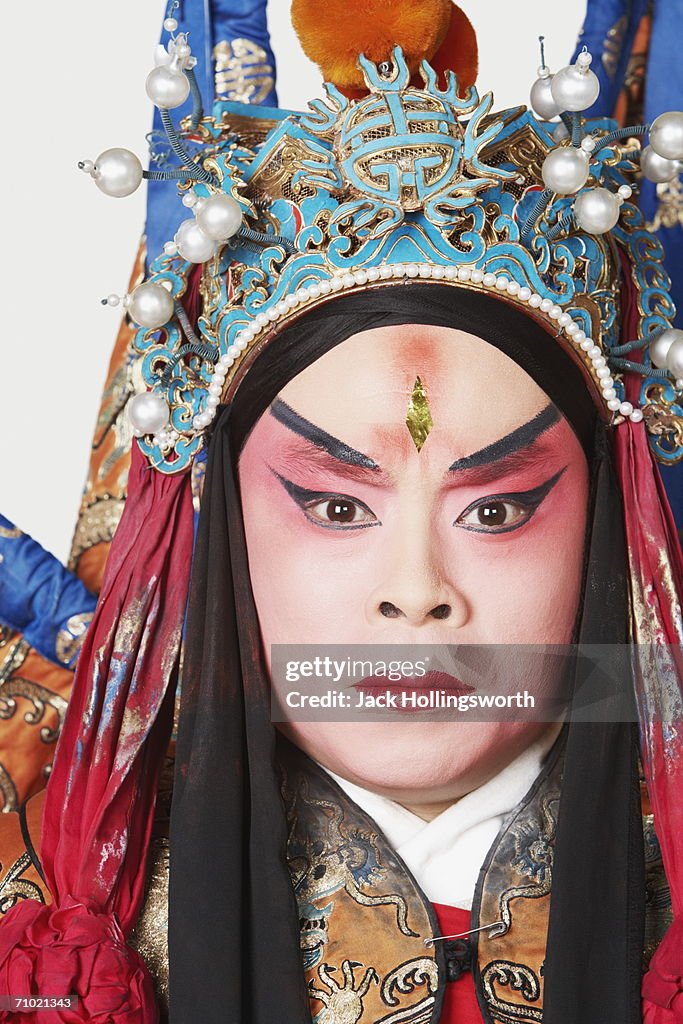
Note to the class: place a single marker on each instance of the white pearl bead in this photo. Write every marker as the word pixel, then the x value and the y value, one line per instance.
pixel 541 99
pixel 151 305
pixel 607 384
pixel 170 24
pixel 625 191
pixel 608 393
pixel 666 135
pixel 335 284
pixel 214 388
pixel 272 314
pixel 574 88
pixel 594 351
pixel 598 361
pixel 580 337
pixel 292 301
pixel 477 276
pixel 233 351
pixel 525 294
pixel 225 361
pixel 360 277
pixel 412 270
pixel 564 320
pixel 588 143
pixel 373 274
pixel 636 416
pixel 302 293
pixel 385 272
pixel 625 408
pixel 262 320
pixel 565 170
pixel 325 286
pixel 674 357
pixel 586 344
pixel 190 199
pixel 596 210
pixel 243 342
pixel 438 273
pixel 535 300
pixel 148 412
pixel 555 312
pixel 171 249
pixel 167 88
pixel 658 168
pixel 502 284
pixel 193 245
pixel 212 401
pixel 546 305
pixel 425 270
pixel 112 300
pixel 220 217
pixel 283 308
pixel 451 273
pixel 603 371
pixel 659 348
pixel 464 273
pixel 489 280
pixel 512 288
pixel 87 166
pixel 571 329
pixel 398 270
pixel 117 172
pixel 614 404
pixel 348 281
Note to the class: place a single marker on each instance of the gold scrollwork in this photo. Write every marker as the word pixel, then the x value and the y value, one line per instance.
pixel 669 212
pixel 243 73
pixel 613 46
pixel 520 979
pixel 71 636
pixel 8 791
pixel 40 697
pixel 14 888
pixel 661 420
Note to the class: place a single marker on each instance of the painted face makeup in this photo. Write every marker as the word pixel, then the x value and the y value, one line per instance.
pixel 358 535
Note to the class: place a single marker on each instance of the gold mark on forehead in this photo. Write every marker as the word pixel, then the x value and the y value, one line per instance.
pixel 418 417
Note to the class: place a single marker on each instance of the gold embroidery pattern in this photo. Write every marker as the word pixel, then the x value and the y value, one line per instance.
pixel 41 699
pixel 520 979
pixel 96 525
pixel 669 212
pixel 243 74
pixel 8 791
pixel 613 46
pixel 10 533
pixel 71 636
pixel 14 888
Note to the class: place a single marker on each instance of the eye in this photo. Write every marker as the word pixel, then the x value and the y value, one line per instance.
pixel 495 515
pixel 339 511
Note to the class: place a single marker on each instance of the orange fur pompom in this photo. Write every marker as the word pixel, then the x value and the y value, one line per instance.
pixel 334 32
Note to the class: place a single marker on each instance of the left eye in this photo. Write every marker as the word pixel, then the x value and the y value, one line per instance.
pixel 340 512
pixel 494 515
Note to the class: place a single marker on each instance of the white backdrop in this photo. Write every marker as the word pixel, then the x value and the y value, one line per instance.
pixel 72 77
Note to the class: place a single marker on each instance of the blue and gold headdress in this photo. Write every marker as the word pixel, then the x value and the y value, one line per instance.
pixel 287 210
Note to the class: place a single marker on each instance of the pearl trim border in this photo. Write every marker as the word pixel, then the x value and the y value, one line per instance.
pixel 352 278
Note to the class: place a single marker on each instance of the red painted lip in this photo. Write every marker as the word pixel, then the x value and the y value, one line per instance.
pixel 430 681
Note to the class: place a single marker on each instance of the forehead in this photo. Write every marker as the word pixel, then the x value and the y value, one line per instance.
pixel 361 388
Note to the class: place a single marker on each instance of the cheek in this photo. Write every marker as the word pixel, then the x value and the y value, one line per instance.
pixel 525 587
pixel 306 582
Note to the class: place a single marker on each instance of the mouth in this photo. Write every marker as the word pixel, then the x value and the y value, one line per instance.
pixel 441 682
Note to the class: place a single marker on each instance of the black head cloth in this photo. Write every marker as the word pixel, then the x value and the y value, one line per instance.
pixel 233 920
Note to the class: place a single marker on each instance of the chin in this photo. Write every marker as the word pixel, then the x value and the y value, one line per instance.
pixel 432 760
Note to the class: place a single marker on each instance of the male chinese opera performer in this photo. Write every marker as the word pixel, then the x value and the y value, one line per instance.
pixel 419 380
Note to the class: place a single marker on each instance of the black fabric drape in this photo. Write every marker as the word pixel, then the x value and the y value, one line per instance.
pixel 233 921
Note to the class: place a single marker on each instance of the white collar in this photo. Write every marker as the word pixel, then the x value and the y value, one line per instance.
pixel 445 854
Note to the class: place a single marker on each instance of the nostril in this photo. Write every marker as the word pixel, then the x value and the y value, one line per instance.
pixel 389 610
pixel 442 611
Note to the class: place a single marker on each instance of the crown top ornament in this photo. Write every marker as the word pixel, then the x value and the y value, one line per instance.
pixel 288 210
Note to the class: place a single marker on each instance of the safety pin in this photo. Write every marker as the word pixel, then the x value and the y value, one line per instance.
pixel 461 935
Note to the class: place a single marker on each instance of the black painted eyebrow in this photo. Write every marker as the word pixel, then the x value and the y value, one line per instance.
pixel 284 414
pixel 522 437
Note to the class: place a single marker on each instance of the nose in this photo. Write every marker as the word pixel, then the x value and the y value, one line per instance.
pixel 416 586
